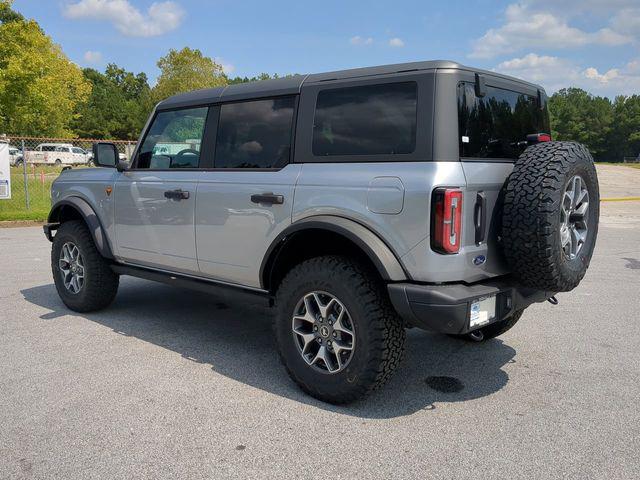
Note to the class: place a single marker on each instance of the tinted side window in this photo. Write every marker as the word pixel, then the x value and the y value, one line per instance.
pixel 255 134
pixel 174 140
pixel 48 148
pixel 497 125
pixel 366 120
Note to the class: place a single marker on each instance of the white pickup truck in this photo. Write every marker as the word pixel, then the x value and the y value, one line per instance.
pixel 57 154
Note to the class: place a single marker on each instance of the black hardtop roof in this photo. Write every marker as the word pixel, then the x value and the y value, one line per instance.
pixel 292 84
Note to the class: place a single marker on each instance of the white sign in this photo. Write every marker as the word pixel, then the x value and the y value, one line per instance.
pixel 5 174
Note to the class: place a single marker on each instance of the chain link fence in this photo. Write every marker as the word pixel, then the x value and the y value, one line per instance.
pixel 36 162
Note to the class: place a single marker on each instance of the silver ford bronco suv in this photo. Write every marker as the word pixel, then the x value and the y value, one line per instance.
pixel 357 203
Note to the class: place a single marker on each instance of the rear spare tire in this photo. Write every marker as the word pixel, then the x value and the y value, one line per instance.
pixel 550 215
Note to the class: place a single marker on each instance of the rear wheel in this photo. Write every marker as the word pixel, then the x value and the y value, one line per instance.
pixel 83 278
pixel 58 162
pixel 337 333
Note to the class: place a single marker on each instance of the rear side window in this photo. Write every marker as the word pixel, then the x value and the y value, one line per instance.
pixel 366 120
pixel 497 125
pixel 255 134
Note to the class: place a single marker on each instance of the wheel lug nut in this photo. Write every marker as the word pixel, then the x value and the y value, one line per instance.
pixel 315 328
pixel 335 334
pixel 329 343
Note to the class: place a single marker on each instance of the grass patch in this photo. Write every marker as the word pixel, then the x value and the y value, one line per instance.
pixel 39 187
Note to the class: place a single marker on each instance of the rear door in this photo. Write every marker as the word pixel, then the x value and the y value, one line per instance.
pixel 246 199
pixel 155 200
pixel 492 132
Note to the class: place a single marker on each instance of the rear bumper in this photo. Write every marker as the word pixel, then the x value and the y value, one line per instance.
pixel 445 308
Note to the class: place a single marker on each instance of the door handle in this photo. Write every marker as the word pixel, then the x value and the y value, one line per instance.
pixel 176 194
pixel 480 217
pixel 269 198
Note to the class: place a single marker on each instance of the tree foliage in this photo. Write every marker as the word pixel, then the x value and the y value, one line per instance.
pixel 262 76
pixel 39 87
pixel 611 130
pixel 185 70
pixel 7 14
pixel 118 107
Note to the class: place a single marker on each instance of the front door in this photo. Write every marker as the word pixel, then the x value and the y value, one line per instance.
pixel 155 199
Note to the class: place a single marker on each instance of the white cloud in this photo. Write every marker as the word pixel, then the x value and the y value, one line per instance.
pixel 593 74
pixel 92 57
pixel 627 21
pixel 160 18
pixel 555 73
pixel 358 40
pixel 526 26
pixel 396 42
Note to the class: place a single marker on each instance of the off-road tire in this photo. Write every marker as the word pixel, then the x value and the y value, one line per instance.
pixel 531 217
pixel 493 330
pixel 100 282
pixel 380 336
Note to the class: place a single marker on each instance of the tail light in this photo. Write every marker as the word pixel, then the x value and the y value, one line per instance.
pixel 538 138
pixel 446 220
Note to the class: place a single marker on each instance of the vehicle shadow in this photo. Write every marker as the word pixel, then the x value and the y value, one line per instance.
pixel 237 342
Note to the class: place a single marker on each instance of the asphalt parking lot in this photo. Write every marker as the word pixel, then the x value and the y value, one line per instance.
pixel 169 383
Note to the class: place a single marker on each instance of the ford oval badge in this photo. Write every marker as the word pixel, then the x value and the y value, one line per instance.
pixel 479 260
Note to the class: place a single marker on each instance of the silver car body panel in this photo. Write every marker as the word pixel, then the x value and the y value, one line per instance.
pixel 90 184
pixel 232 232
pixel 219 233
pixel 151 229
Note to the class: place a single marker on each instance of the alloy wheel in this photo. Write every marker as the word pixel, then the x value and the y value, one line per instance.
pixel 323 332
pixel 573 217
pixel 71 266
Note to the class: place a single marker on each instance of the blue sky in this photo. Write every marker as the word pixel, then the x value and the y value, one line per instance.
pixel 593 44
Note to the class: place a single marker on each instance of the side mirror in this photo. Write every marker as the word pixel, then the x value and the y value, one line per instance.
pixel 105 155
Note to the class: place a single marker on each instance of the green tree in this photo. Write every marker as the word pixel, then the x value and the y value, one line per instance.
pixel 118 107
pixel 40 89
pixel 625 135
pixel 262 76
pixel 185 70
pixel 579 116
pixel 7 14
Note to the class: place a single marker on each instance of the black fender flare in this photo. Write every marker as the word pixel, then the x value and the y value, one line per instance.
pixel 89 216
pixel 380 254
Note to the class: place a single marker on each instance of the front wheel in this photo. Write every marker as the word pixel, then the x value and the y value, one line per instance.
pixel 337 333
pixel 83 278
